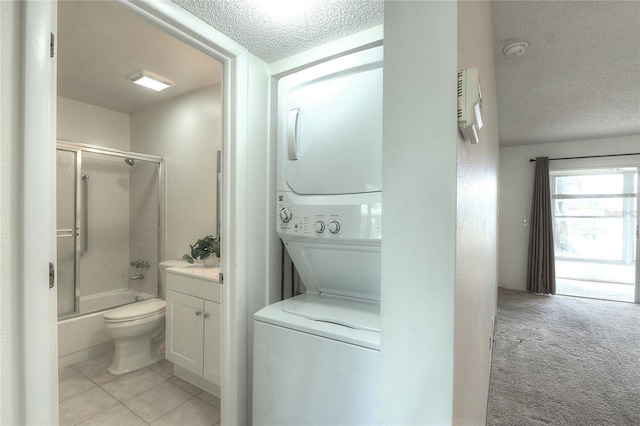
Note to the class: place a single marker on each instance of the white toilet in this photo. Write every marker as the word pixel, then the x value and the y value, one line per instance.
pixel 134 328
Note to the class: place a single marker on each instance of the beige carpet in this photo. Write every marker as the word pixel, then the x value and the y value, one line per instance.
pixel 561 360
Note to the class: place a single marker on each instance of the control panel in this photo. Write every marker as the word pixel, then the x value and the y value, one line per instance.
pixel 353 219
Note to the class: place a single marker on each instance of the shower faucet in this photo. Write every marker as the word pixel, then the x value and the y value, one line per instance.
pixel 140 263
pixel 137 277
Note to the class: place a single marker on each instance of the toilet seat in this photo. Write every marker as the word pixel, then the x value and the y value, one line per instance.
pixel 136 311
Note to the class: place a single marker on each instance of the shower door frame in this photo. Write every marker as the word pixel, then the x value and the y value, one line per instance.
pixel 79 148
pixel 75 231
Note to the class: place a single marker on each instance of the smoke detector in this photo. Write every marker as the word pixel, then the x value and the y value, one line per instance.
pixel 515 49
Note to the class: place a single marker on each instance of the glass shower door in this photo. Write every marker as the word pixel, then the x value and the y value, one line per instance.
pixel 67 230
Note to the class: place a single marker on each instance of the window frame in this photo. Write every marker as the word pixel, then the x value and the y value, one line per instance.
pixel 629 203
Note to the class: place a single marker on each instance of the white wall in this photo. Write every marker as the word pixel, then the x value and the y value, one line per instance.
pixel 260 201
pixel 11 46
pixel 85 123
pixel 516 189
pixel 187 131
pixel 419 223
pixel 477 225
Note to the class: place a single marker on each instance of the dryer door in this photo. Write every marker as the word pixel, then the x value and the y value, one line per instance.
pixel 330 133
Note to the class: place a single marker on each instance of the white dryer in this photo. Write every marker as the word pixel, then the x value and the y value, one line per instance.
pixel 316 355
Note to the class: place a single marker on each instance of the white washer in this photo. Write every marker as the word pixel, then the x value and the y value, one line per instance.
pixel 310 372
pixel 317 355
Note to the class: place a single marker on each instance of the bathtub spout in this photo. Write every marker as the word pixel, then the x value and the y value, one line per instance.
pixel 137 277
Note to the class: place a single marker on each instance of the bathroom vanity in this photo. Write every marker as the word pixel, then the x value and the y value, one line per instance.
pixel 193 325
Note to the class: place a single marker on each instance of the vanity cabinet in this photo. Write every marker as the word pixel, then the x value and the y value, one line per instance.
pixel 193 325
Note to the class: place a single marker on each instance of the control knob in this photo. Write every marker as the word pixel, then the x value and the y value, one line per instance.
pixel 319 227
pixel 285 215
pixel 334 227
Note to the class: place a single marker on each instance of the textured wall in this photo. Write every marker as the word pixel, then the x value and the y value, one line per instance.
pixel 477 225
pixel 419 221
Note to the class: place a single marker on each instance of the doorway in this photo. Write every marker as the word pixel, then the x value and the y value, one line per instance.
pixel 596 232
pixel 100 45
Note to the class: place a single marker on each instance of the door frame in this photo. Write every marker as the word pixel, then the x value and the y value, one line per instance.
pixel 39 307
pixel 637 293
pixel 38 301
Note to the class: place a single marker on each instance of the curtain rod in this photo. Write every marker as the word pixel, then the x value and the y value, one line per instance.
pixel 588 156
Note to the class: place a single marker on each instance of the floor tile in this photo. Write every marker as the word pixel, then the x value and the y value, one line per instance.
pixel 183 384
pixel 158 401
pixel 96 368
pixel 72 383
pixel 194 412
pixel 115 416
pixel 65 372
pixel 210 398
pixel 163 367
pixel 132 384
pixel 82 407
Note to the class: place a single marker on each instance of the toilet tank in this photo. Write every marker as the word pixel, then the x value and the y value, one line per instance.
pixel 163 266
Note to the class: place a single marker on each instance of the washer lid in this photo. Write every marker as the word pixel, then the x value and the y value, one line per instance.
pixel 136 310
pixel 360 315
pixel 332 313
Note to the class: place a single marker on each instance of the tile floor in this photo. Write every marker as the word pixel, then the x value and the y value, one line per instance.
pixel 89 395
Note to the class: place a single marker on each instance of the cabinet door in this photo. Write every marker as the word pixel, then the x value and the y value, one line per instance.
pixel 185 331
pixel 212 342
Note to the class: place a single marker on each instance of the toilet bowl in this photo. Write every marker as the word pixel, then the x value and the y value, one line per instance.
pixel 136 329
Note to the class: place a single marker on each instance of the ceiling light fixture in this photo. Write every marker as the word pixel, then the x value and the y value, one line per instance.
pixel 150 80
pixel 515 49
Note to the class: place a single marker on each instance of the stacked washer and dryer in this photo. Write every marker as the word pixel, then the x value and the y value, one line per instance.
pixel 317 355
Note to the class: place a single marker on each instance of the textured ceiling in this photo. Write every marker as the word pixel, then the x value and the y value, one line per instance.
pixel 580 76
pixel 269 37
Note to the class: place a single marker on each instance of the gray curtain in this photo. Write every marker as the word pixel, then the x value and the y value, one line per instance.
pixel 541 269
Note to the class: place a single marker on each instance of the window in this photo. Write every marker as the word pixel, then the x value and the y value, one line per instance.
pixel 595 215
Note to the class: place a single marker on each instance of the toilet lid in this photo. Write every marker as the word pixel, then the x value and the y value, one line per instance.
pixel 136 310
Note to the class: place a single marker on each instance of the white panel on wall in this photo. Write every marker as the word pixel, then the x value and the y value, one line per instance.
pixel 477 225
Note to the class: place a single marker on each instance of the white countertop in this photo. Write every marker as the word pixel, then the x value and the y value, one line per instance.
pixel 198 271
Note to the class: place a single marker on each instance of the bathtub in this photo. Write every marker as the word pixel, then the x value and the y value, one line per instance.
pixel 82 337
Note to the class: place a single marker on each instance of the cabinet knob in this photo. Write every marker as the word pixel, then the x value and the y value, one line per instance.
pixel 198 313
pixel 206 315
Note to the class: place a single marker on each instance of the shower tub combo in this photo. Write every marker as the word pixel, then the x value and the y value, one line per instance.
pixel 108 220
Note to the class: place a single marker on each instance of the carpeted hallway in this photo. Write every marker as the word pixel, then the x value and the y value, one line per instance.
pixel 561 360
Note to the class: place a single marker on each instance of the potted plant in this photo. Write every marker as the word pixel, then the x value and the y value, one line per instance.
pixel 203 249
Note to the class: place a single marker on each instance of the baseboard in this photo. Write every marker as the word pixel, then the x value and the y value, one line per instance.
pixel 194 379
pixel 85 354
